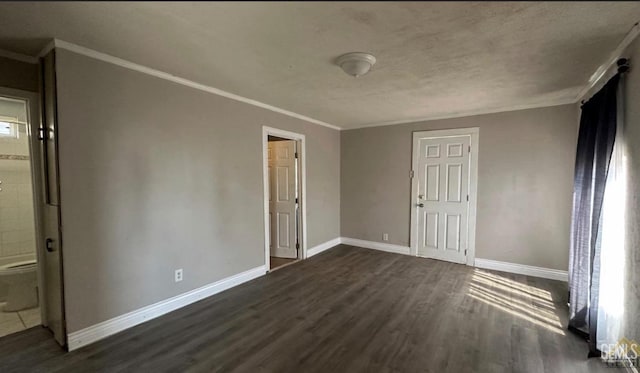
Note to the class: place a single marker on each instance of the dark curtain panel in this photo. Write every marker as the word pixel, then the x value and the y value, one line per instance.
pixel 595 145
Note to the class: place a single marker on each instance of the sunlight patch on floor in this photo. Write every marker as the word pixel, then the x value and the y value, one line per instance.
pixel 527 297
pixel 526 302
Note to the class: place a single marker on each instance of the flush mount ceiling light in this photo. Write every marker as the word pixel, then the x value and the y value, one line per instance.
pixel 356 64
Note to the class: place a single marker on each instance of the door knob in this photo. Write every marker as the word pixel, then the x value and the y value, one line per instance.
pixel 419 204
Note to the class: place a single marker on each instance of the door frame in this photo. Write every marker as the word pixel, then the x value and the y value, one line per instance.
pixel 474 134
pixel 302 161
pixel 33 120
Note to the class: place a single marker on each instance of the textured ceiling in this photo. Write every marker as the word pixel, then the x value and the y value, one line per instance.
pixel 434 59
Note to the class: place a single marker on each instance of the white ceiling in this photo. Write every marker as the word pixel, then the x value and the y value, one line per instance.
pixel 434 59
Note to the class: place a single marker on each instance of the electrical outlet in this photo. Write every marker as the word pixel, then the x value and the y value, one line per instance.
pixel 178 275
pixel 385 237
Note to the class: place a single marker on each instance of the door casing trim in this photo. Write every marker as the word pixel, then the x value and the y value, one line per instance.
pixel 474 133
pixel 266 131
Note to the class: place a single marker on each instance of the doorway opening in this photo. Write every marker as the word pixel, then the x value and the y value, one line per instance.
pixel 284 196
pixel 20 278
pixel 31 291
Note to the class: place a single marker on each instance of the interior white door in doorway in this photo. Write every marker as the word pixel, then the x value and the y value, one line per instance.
pixel 282 198
pixel 443 195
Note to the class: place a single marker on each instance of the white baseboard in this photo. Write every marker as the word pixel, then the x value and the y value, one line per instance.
pixel 553 274
pixel 323 247
pixel 104 329
pixel 376 245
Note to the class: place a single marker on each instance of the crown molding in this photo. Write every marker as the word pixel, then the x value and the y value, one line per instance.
pixel 602 70
pixel 18 56
pixel 47 48
pixel 57 43
pixel 470 113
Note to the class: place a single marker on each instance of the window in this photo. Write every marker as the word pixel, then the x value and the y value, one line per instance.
pixel 8 129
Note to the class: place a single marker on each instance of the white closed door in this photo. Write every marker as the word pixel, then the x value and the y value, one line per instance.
pixel 441 196
pixel 282 198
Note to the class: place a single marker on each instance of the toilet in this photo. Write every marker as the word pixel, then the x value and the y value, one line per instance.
pixel 21 281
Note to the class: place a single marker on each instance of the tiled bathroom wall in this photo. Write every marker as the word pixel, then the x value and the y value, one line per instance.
pixel 17 233
pixel 17 229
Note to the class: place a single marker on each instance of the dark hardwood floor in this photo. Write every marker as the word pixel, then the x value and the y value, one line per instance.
pixel 346 310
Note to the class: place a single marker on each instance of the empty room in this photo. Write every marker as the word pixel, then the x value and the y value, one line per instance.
pixel 319 187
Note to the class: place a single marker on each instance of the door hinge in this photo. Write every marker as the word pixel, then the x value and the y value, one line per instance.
pixel 467 198
pixel 296 199
pixel 42 134
pixel 297 246
pixel 469 148
pixel 411 174
pixel 465 252
pixel 296 155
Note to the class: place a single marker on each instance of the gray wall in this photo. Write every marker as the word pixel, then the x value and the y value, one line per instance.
pixel 525 180
pixel 157 176
pixel 631 328
pixel 18 75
